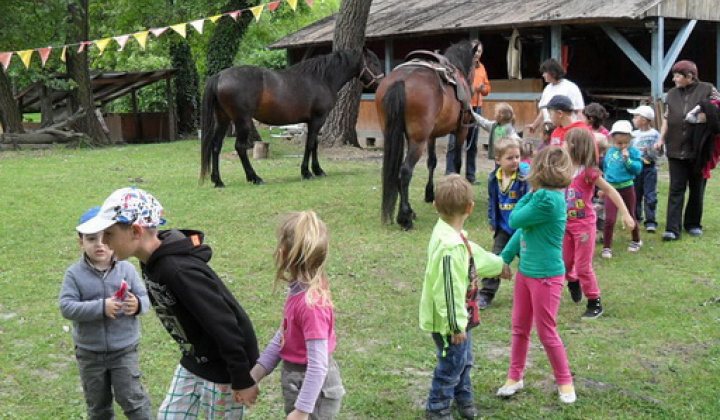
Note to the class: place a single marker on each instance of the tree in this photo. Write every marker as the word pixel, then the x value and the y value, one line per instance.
pixel 349 35
pixel 10 117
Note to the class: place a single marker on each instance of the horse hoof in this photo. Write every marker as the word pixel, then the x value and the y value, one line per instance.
pixel 259 181
pixel 219 185
pixel 320 173
pixel 308 176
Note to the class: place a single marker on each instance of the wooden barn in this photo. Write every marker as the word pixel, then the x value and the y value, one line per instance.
pixel 619 52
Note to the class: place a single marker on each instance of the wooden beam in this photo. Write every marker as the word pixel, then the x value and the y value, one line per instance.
pixel 629 50
pixel 556 42
pixel 657 47
pixel 677 46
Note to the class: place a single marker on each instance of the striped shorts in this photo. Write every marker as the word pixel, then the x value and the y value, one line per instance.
pixel 192 397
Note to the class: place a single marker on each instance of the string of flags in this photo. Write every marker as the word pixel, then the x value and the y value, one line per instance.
pixel 141 37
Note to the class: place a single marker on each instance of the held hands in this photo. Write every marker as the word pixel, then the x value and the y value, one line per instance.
pixel 246 396
pixel 113 307
pixel 458 338
pixel 506 272
pixel 258 372
pixel 298 415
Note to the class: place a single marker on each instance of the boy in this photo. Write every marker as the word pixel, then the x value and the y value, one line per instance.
pixel 452 262
pixel 644 139
pixel 562 116
pixel 103 297
pixel 506 186
pixel 215 334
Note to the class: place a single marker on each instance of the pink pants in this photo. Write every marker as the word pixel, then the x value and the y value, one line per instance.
pixel 537 300
pixel 578 251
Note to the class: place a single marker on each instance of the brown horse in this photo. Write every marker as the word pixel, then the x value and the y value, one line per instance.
pixel 302 93
pixel 416 106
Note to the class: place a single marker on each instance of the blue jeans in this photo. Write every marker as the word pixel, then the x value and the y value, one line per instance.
pixel 471 152
pixel 451 379
pixel 646 192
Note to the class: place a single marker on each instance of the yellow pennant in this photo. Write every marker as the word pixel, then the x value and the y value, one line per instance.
pixel 215 18
pixel 257 11
pixel 26 56
pixel 292 3
pixel 180 28
pixel 141 38
pixel 102 44
pixel 63 55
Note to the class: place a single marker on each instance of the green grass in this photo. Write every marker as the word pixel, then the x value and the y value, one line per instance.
pixel 655 354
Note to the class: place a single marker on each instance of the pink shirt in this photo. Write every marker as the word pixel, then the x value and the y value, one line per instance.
pixel 578 197
pixel 303 322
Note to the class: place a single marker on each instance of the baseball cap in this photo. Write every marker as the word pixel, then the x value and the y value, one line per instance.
pixel 126 205
pixel 621 127
pixel 89 215
pixel 643 111
pixel 560 103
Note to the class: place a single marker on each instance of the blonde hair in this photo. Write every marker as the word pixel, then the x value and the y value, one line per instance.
pixel 301 255
pixel 581 148
pixel 453 194
pixel 504 107
pixel 504 144
pixel 551 168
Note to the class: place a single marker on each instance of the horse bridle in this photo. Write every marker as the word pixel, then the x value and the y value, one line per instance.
pixel 373 77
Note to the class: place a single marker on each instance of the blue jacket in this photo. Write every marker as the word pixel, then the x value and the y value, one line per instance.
pixel 501 203
pixel 619 172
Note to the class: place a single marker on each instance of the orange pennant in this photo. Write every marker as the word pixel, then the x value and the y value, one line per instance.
pixel 273 6
pixel 5 59
pixel 44 54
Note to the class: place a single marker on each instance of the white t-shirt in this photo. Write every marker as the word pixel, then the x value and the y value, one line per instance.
pixel 564 87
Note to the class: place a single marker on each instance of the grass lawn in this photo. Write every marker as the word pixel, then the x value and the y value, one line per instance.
pixel 655 354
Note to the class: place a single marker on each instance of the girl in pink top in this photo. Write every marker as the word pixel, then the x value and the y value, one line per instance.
pixel 579 240
pixel 310 378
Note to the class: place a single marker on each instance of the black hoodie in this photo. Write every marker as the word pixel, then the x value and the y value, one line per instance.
pixel 214 332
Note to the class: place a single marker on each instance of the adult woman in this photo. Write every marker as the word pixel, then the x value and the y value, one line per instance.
pixel 676 137
pixel 554 75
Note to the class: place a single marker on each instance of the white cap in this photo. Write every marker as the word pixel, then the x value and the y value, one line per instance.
pixel 621 126
pixel 643 111
pixel 126 205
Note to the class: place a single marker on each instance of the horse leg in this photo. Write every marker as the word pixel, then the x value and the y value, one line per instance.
pixel 459 151
pixel 405 213
pixel 431 164
pixel 311 147
pixel 217 141
pixel 242 144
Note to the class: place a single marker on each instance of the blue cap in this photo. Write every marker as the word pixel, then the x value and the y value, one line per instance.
pixel 89 215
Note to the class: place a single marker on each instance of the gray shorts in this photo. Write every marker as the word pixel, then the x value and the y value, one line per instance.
pixel 328 403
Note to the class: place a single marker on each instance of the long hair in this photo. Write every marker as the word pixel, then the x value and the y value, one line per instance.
pixel 581 148
pixel 301 255
pixel 551 168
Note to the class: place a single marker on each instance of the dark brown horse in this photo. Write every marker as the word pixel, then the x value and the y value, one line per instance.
pixel 302 93
pixel 415 106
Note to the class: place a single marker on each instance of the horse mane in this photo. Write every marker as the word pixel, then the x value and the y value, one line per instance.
pixel 461 55
pixel 328 66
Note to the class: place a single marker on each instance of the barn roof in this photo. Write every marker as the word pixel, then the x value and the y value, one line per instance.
pixel 393 18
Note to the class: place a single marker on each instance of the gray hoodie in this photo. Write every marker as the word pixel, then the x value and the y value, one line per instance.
pixel 82 300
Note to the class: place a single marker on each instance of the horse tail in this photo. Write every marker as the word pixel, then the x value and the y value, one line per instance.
pixel 208 126
pixel 393 147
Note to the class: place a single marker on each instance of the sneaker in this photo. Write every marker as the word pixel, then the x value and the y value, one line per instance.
pixel 670 236
pixel 594 309
pixel 696 232
pixel 444 414
pixel 635 246
pixel 484 301
pixel 651 228
pixel 510 390
pixel 467 411
pixel 568 398
pixel 606 253
pixel 575 291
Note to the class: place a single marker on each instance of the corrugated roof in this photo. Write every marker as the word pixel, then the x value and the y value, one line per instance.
pixel 390 18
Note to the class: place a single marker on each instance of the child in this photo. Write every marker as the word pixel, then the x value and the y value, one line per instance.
pixel 562 116
pixel 501 127
pixel 601 141
pixel 644 139
pixel 305 342
pixel 527 151
pixel 103 298
pixel 547 130
pixel 506 186
pixel 539 218
pixel 454 264
pixel 595 115
pixel 215 334
pixel 622 164
pixel 579 240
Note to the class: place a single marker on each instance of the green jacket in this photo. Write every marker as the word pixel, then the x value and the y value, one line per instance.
pixel 539 218
pixel 442 305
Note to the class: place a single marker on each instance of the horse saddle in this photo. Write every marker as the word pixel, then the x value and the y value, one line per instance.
pixel 446 71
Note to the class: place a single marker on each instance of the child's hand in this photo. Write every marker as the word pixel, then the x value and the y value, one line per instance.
pixel 506 272
pixel 112 308
pixel 601 194
pixel 530 129
pixel 458 338
pixel 246 396
pixel 625 153
pixel 298 415
pixel 131 304
pixel 628 221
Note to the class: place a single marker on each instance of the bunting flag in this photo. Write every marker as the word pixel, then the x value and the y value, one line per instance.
pixel 309 2
pixel 273 5
pixel 44 54
pixel 198 25
pixel 5 59
pixel 81 48
pixel 121 40
pixel 63 55
pixel 180 28
pixel 257 11
pixel 102 44
pixel 26 56
pixel 234 14
pixel 141 38
pixel 215 18
pixel 158 31
pixel 293 4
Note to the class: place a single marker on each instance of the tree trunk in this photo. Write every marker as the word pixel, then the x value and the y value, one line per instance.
pixel 187 93
pixel 349 35
pixel 10 116
pixel 78 70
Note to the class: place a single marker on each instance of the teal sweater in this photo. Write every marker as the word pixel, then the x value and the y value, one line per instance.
pixel 621 172
pixel 539 218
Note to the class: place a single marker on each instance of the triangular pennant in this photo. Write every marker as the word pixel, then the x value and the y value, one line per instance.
pixel 198 25
pixel 26 56
pixel 180 28
pixel 81 48
pixel 309 2
pixel 273 6
pixel 215 18
pixel 158 31
pixel 121 40
pixel 234 14
pixel 63 55
pixel 5 59
pixel 292 3
pixel 141 38
pixel 102 44
pixel 257 11
pixel 44 54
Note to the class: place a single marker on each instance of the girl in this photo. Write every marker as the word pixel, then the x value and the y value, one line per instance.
pixel 501 127
pixel 579 240
pixel 595 115
pixel 539 218
pixel 310 378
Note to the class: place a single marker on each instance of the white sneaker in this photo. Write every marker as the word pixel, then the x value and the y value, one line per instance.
pixel 606 253
pixel 510 390
pixel 635 246
pixel 567 398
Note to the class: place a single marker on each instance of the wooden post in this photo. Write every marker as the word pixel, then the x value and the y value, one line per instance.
pixel 172 126
pixel 260 150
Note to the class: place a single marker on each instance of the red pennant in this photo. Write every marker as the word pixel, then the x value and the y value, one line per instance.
pixel 274 5
pixel 234 14
pixel 44 54
pixel 82 46
pixel 5 59
pixel 309 2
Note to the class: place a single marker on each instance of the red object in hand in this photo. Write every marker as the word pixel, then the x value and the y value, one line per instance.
pixel 121 293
